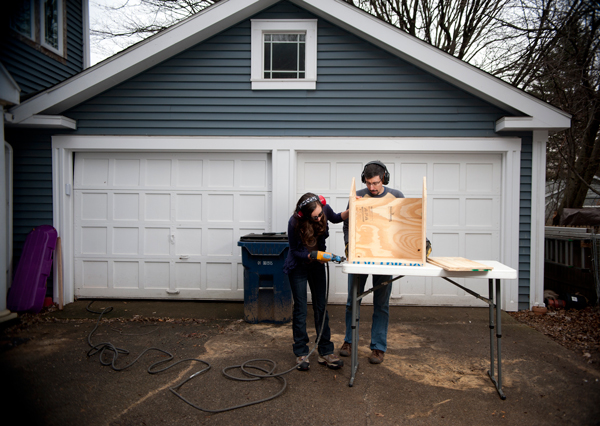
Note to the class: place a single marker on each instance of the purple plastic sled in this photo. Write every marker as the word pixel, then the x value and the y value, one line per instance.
pixel 28 289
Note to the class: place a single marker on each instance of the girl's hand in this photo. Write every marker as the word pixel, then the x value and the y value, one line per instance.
pixel 345 214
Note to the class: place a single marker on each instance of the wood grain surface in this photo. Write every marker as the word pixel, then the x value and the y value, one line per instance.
pixel 458 264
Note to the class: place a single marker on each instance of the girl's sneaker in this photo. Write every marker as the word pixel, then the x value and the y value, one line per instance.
pixel 331 361
pixel 302 363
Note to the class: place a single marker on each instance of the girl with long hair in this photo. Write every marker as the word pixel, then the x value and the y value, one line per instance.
pixel 307 231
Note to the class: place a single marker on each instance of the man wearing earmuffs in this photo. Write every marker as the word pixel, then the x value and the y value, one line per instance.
pixel 375 175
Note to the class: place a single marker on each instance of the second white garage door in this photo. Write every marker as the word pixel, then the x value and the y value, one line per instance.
pixel 158 225
pixel 463 212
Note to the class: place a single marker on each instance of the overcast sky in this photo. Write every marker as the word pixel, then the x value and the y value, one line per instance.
pixel 99 18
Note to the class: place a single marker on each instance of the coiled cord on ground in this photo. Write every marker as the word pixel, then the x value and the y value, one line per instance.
pixel 105 349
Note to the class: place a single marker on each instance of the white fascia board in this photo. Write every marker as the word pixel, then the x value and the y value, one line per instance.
pixel 139 57
pixel 507 124
pixel 9 89
pixel 45 122
pixel 439 63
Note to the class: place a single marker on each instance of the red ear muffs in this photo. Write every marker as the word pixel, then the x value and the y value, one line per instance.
pixel 321 199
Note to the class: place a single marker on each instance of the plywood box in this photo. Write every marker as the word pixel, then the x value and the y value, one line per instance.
pixel 387 231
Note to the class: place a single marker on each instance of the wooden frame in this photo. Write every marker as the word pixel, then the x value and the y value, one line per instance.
pixel 387 231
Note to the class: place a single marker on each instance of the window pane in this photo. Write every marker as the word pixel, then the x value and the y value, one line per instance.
pixel 51 22
pixel 285 57
pixel 285 37
pixel 302 57
pixel 21 20
pixel 267 58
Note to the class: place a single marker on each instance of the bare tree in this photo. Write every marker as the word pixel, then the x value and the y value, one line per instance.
pixel 464 28
pixel 131 21
pixel 560 63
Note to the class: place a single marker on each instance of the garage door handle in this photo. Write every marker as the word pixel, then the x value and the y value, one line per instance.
pixel 185 256
pixel 174 292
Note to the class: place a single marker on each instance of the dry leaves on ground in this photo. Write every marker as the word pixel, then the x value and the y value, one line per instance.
pixel 577 330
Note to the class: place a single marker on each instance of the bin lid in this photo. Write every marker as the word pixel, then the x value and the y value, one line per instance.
pixel 266 236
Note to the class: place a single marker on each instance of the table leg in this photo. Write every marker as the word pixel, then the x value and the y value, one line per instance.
pixel 491 372
pixel 354 327
pixel 497 305
pixel 499 336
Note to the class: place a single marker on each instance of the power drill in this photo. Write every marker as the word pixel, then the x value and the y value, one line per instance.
pixel 324 256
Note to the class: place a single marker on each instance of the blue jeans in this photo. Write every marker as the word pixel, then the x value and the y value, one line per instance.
pixel 381 310
pixel 314 274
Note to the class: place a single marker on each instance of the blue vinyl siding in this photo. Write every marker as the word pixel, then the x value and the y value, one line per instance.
pixel 32 187
pixel 361 91
pixel 32 69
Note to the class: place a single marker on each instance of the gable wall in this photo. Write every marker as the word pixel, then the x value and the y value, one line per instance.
pixel 361 91
pixel 35 71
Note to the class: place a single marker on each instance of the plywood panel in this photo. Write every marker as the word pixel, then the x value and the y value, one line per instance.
pixel 387 230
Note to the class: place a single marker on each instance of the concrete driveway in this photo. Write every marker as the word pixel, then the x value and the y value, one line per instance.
pixel 434 373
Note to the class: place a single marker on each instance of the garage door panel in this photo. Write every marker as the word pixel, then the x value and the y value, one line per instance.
pixel 220 174
pixel 158 173
pixel 126 241
pixel 126 206
pixel 446 177
pixel 157 275
pixel 188 275
pixel 190 173
pixel 147 227
pixel 126 275
pixel 253 174
pixel 188 207
pixel 157 207
pixel 411 179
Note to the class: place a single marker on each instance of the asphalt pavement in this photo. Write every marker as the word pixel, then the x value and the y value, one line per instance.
pixel 434 371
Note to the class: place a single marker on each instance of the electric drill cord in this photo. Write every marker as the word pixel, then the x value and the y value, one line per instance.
pixel 105 349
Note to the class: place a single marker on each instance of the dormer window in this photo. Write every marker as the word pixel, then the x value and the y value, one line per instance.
pixel 41 24
pixel 284 54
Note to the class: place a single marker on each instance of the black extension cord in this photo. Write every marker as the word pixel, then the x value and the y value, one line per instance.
pixel 103 350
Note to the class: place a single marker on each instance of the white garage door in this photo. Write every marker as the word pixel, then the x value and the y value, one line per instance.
pixel 463 212
pixel 157 225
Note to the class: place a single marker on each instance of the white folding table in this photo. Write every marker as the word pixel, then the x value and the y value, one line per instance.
pixel 499 272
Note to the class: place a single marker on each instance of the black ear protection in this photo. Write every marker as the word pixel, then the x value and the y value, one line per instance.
pixel 309 200
pixel 386 174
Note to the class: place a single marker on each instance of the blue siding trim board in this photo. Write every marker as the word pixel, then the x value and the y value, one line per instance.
pixel 35 71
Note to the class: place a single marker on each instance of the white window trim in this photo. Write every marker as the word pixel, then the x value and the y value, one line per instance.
pixel 259 27
pixel 61 26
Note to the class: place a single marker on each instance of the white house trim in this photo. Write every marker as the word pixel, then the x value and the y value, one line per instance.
pixel 44 122
pixel 538 217
pixel 262 26
pixel 284 156
pixel 222 15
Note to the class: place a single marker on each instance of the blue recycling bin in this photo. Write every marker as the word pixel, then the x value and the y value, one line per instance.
pixel 267 291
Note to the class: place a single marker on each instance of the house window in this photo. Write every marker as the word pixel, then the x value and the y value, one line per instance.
pixel 21 20
pixel 51 24
pixel 41 24
pixel 284 54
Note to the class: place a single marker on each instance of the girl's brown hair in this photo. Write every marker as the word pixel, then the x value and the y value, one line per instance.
pixel 307 229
